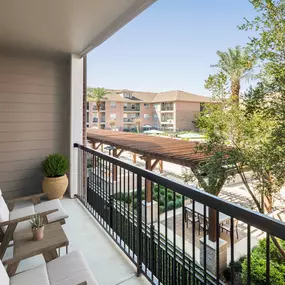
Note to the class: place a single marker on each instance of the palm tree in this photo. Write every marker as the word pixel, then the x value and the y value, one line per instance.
pixel 237 65
pixel 97 95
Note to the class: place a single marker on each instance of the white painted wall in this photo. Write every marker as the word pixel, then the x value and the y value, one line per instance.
pixel 76 118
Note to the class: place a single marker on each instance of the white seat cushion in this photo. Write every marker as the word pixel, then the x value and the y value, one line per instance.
pixel 4 278
pixel 22 212
pixel 35 276
pixel 70 269
pixel 51 205
pixel 4 211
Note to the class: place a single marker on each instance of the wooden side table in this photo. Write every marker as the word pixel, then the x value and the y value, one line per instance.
pixel 25 246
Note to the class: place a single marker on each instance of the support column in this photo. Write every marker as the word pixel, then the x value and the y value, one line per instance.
pixel 134 158
pixel 147 182
pixel 161 166
pixel 76 119
pixel 115 166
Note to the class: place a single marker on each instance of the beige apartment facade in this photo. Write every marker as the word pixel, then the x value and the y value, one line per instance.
pixel 171 110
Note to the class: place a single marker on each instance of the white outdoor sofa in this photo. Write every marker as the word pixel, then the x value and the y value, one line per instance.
pixel 70 269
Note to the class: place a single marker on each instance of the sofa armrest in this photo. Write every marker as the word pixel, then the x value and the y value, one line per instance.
pixel 36 199
pixel 25 218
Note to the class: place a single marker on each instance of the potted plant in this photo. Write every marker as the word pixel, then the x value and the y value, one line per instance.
pixel 55 182
pixel 37 225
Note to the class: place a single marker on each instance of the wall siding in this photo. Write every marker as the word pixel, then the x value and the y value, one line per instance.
pixel 34 118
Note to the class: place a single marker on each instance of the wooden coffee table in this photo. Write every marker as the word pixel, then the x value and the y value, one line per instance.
pixel 25 246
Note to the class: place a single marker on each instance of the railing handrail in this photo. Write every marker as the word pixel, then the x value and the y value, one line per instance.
pixel 253 218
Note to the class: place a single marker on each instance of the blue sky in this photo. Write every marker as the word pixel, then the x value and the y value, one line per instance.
pixel 169 46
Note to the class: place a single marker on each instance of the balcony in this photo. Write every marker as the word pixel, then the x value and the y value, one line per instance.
pixel 170 243
pixel 167 107
pixel 130 120
pixel 102 120
pixel 102 108
pixel 131 108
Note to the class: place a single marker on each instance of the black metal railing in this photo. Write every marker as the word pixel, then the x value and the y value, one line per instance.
pixel 167 237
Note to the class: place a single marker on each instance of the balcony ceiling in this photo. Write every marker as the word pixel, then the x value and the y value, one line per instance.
pixel 64 26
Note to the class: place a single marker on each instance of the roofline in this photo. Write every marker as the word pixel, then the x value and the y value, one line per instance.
pixel 130 14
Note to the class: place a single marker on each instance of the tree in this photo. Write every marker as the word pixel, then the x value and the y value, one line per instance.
pixel 97 95
pixel 236 64
pixel 138 124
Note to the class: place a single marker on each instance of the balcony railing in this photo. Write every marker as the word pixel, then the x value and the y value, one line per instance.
pixel 130 120
pixel 155 236
pixel 131 108
pixel 167 108
pixel 102 120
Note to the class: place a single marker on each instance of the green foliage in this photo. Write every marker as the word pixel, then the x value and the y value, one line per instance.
pixel 55 165
pixel 178 203
pixel 36 222
pixel 170 205
pixel 96 94
pixel 258 265
pixel 237 266
pixel 233 66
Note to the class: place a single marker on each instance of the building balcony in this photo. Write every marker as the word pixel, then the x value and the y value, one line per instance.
pixel 130 120
pixel 102 120
pixel 169 107
pixel 131 109
pixel 167 121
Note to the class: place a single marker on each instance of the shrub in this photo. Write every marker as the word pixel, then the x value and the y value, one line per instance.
pixel 128 198
pixel 170 205
pixel 55 165
pixel 237 265
pixel 161 209
pixel 178 203
pixel 258 265
pixel 161 202
pixel 169 196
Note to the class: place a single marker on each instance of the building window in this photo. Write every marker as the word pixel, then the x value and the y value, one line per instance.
pixel 146 116
pixel 146 105
pixel 113 116
pixel 113 104
pixel 155 117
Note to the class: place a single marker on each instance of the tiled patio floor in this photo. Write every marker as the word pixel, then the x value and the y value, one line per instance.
pixel 105 259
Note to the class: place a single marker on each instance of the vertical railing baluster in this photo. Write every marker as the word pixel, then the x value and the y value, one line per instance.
pixel 183 240
pixel 193 241
pixel 218 248
pixel 139 225
pixel 248 255
pixel 151 255
pixel 267 258
pixel 232 252
pixel 174 239
pixel 205 243
pixel 166 237
pixel 158 237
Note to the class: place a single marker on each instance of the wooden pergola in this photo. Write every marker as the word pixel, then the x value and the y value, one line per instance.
pixel 153 148
pixel 149 148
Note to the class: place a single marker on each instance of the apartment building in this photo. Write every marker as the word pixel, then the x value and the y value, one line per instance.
pixel 171 110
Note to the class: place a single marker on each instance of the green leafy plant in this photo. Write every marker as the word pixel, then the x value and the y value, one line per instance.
pixel 55 165
pixel 37 222
pixel 258 264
